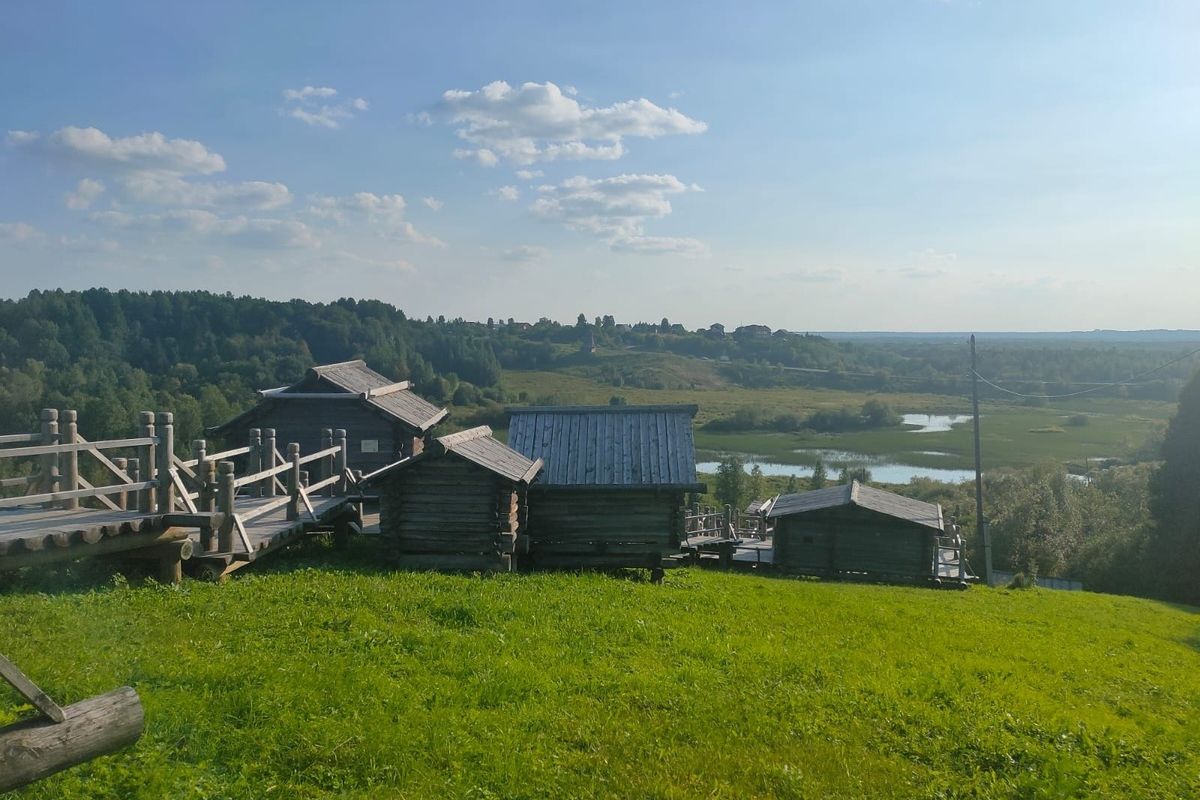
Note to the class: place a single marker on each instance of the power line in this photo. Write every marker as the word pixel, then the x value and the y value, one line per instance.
pixel 1099 388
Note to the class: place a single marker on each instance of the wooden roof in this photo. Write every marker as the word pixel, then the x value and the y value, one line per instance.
pixel 350 380
pixel 616 447
pixel 478 446
pixel 857 494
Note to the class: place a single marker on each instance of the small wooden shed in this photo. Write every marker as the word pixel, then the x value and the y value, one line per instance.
pixel 385 420
pixel 459 504
pixel 860 530
pixel 612 493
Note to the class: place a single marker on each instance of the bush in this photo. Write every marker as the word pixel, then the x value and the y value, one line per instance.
pixel 1077 420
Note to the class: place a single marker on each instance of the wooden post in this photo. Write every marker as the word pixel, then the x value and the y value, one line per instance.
pixel 133 468
pixel 980 523
pixel 225 494
pixel 33 749
pixel 339 438
pixel 728 519
pixel 69 434
pixel 268 446
pixel 254 460
pixel 327 467
pixel 208 504
pixel 122 497
pixel 166 448
pixel 49 462
pixel 200 456
pixel 293 484
pixel 146 498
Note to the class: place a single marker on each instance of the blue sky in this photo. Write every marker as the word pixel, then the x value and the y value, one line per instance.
pixel 904 165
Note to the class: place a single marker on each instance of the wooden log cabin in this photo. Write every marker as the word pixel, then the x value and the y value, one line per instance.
pixel 385 420
pixel 858 530
pixel 460 504
pixel 612 492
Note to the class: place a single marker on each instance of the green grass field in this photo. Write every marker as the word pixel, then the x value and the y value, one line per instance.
pixel 1011 435
pixel 346 680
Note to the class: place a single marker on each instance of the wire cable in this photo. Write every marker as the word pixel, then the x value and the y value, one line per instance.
pixel 1100 388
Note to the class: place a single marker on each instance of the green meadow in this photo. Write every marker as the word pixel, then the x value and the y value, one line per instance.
pixel 322 675
pixel 1013 435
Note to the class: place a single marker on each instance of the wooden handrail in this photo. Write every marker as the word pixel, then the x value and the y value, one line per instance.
pixel 226 454
pixel 313 488
pixel 54 497
pixel 28 479
pixel 13 438
pixel 73 447
pixel 258 476
pixel 265 508
pixel 107 462
pixel 329 451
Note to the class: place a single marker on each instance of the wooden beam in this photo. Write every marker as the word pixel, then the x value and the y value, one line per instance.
pixel 111 465
pixel 29 690
pixel 33 749
pixel 104 500
pixel 75 447
pixel 183 492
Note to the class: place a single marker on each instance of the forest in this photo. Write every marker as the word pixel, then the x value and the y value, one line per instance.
pixel 202 355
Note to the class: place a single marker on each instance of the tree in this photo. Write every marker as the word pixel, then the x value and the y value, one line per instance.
pixel 1175 501
pixel 731 481
pixel 859 473
pixel 820 475
pixel 755 483
pixel 792 486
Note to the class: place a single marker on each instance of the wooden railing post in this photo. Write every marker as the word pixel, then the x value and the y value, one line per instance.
pixel 69 434
pixel 122 500
pixel 256 460
pixel 326 467
pixel 729 519
pixel 147 496
pixel 293 484
pixel 133 468
pixel 200 455
pixel 268 446
pixel 339 438
pixel 49 462
pixel 225 494
pixel 166 448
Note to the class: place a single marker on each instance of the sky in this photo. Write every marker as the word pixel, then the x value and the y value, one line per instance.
pixel 848 165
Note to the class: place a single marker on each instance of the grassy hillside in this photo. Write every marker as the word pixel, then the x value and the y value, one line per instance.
pixel 350 681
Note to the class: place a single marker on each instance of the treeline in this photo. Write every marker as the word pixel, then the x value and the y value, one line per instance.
pixel 873 414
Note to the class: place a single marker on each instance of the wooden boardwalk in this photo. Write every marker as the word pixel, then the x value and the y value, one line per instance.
pixel 177 511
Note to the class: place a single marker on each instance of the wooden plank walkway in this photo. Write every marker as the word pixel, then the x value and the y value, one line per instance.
pixel 35 536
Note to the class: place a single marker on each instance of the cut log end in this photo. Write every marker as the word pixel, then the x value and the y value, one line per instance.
pixel 36 748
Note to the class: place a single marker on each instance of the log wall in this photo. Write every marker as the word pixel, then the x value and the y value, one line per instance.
pixel 850 539
pixel 579 528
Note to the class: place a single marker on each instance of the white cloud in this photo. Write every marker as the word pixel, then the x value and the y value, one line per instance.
pixel 19 233
pixel 315 106
pixel 509 193
pixel 85 194
pixel 385 211
pixel 145 152
pixel 248 232
pixel 538 122
pixel 171 190
pixel 524 253
pixel 529 174
pixel 616 209
pixel 432 203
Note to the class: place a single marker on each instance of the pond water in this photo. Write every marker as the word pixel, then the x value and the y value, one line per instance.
pixel 934 423
pixel 883 469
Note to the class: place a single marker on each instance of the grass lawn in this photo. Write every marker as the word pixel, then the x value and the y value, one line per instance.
pixel 347 680
pixel 1011 433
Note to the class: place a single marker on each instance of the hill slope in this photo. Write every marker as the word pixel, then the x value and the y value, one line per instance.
pixel 350 681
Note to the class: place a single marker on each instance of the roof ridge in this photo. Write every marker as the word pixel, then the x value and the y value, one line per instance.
pixel 318 367
pixel 451 439
pixel 677 408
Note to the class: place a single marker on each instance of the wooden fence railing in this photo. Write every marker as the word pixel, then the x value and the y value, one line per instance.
pixel 725 522
pixel 200 492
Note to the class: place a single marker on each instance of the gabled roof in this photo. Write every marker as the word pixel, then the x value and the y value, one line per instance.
pixel 857 494
pixel 350 380
pixel 478 446
pixel 609 446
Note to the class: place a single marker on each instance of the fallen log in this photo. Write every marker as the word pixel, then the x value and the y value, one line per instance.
pixel 32 749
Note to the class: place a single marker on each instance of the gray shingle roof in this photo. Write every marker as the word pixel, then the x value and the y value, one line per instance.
pixel 478 446
pixel 857 494
pixel 352 377
pixel 609 446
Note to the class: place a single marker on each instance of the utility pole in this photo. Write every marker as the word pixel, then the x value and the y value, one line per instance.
pixel 980 523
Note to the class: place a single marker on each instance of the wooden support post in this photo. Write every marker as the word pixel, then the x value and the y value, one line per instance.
pixel 268 449
pixel 326 469
pixel 164 467
pixel 49 462
pixel 254 460
pixel 729 519
pixel 68 434
pixel 200 455
pixel 122 497
pixel 339 466
pixel 146 429
pixel 226 490
pixel 293 484
pixel 33 749
pixel 133 468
